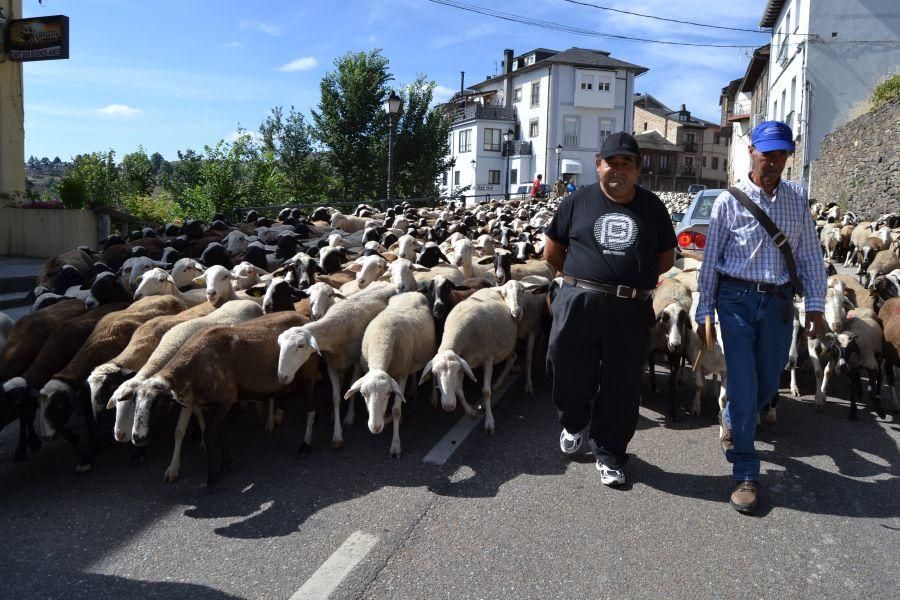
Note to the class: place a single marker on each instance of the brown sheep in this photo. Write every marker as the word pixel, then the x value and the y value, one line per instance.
pixel 77 258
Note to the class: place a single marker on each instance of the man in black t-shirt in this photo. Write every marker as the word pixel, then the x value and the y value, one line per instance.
pixel 611 240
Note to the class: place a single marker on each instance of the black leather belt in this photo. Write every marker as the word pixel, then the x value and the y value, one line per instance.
pixel 757 286
pixel 620 291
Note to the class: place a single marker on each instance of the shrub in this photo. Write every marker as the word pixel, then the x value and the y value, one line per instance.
pixel 158 207
pixel 73 192
pixel 887 90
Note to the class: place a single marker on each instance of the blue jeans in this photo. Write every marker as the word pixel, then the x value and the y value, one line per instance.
pixel 756 332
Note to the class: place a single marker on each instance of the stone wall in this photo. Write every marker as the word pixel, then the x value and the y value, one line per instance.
pixel 859 164
pixel 45 232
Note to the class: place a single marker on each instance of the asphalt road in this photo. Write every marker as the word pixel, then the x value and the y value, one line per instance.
pixel 506 517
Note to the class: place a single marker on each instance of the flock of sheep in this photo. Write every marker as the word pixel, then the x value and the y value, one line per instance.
pixel 371 304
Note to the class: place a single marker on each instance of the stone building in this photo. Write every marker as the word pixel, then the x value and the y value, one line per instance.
pixel 681 149
pixel 743 103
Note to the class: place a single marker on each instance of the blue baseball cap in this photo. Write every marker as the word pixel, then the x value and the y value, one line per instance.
pixel 772 135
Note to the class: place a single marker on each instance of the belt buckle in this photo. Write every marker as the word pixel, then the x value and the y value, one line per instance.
pixel 761 287
pixel 621 294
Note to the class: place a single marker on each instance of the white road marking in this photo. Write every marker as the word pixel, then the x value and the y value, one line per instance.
pixel 329 576
pixel 454 438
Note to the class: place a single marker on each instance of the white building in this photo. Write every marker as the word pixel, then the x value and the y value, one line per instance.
pixel 826 58
pixel 555 107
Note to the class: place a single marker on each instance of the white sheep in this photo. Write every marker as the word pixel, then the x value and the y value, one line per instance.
pixel 184 271
pixel 483 316
pixel 397 343
pixel 368 269
pixel 321 297
pixel 156 282
pixel 337 337
pixel 349 223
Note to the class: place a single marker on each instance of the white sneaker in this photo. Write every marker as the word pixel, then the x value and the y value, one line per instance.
pixel 569 443
pixel 610 476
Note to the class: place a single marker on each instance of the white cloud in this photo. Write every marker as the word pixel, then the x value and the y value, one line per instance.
pixel 233 44
pixel 119 110
pixel 442 93
pixel 260 26
pixel 236 135
pixel 301 64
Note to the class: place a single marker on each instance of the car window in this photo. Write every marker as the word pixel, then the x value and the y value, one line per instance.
pixel 704 206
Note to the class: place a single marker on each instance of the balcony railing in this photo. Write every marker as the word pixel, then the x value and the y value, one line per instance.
pixel 689 170
pixel 689 147
pixel 476 111
pixel 519 148
pixel 570 141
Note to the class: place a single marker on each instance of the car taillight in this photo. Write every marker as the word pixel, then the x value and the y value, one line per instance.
pixel 688 238
pixel 684 239
pixel 700 240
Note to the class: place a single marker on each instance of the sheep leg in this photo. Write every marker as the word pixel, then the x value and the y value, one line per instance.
pixel 270 416
pixel 351 408
pixel 855 392
pixel 486 395
pixel 795 388
pixel 529 359
pixel 889 380
pixel 698 392
pixel 651 372
pixel 875 389
pixel 510 361
pixel 771 415
pixel 396 415
pixel 822 377
pixel 674 359
pixel 723 390
pixel 214 446
pixel 337 438
pixel 174 469
pixel 465 404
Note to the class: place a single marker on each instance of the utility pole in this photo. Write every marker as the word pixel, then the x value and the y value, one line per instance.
pixel 12 115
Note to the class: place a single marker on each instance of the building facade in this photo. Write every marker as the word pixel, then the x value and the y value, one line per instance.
pixel 826 58
pixel 547 113
pixel 743 103
pixel 695 153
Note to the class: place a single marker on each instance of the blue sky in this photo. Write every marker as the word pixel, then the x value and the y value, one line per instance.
pixel 171 75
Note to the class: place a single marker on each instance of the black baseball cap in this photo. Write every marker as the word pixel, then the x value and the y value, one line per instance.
pixel 620 143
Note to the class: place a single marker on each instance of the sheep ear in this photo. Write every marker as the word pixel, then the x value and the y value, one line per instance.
pixel 540 289
pixel 396 387
pixel 353 389
pixel 426 372
pixel 467 368
pixel 201 281
pixel 418 267
pixel 485 260
pixel 355 267
pixel 314 345
pixel 298 295
pixel 337 294
pixel 257 291
pixel 111 404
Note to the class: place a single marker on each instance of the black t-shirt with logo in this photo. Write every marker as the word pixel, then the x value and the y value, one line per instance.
pixel 610 242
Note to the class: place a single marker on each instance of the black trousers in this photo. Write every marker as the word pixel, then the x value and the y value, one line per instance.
pixel 597 351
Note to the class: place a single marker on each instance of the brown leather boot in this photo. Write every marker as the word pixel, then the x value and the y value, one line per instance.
pixel 725 433
pixel 743 498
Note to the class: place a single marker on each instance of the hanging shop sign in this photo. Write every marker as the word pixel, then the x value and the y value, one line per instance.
pixel 39 38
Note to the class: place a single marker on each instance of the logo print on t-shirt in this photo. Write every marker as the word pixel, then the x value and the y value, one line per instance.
pixel 615 231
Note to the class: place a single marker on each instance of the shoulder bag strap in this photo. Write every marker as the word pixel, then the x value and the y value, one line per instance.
pixel 776 234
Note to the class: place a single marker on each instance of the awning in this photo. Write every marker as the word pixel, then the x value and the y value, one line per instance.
pixel 571 166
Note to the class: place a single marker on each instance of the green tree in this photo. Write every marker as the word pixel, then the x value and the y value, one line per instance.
pixel 420 143
pixel 91 180
pixel 348 111
pixel 289 140
pixel 137 173
pixel 156 160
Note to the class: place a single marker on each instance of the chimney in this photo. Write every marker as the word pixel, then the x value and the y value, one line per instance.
pixel 507 83
pixel 462 82
pixel 507 60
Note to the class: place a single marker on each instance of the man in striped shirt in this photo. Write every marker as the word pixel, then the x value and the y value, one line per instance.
pixel 744 277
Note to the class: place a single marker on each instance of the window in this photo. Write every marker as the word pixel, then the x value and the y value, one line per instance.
pixel 450 142
pixel 529 60
pixel 715 162
pixel 606 127
pixel 787 23
pixel 790 121
pixel 570 131
pixel 494 177
pixel 492 140
pixel 603 84
pixel 689 138
pixel 783 103
pixel 645 125
pixel 703 162
pixel 455 177
pixel 648 161
pixel 587 82
pixel 663 161
pixel 465 140
pixel 514 176
pixel 689 162
pixel 533 128
pixel 444 178
pixel 518 94
pixel 797 15
pixel 724 164
pixel 536 93
pixel 717 139
pixel 775 111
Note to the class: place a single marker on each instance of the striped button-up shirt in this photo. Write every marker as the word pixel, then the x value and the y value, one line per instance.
pixel 737 244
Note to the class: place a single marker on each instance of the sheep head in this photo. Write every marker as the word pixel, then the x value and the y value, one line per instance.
pixel 151 391
pixel 448 368
pixel 376 388
pixel 295 346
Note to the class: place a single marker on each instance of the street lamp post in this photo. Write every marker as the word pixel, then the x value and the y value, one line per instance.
pixel 559 150
pixel 392 106
pixel 508 137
